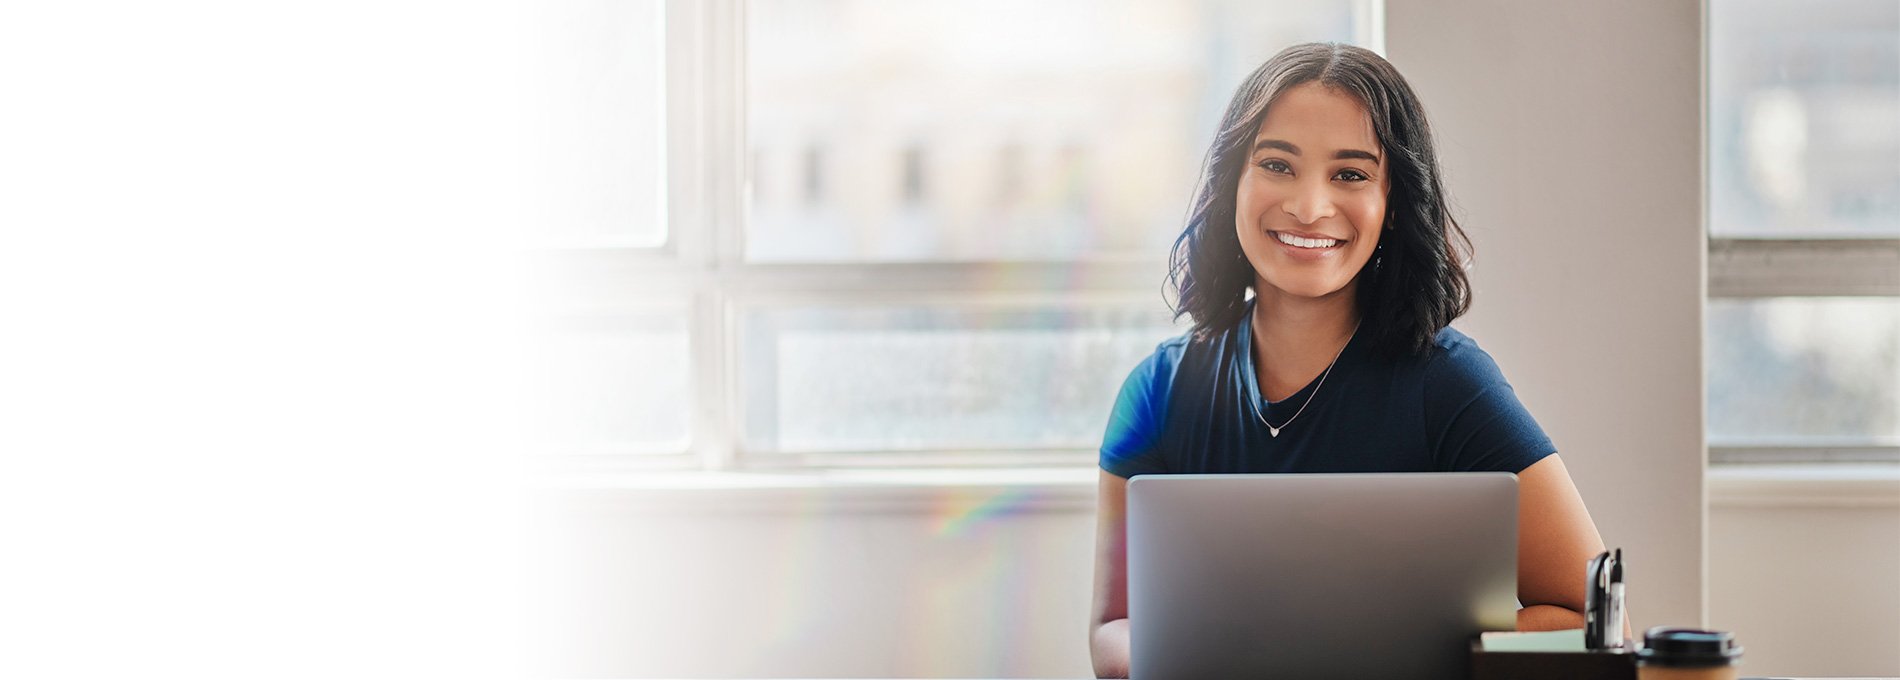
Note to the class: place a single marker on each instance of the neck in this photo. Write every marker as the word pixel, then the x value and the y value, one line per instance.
pixel 1322 325
pixel 1295 339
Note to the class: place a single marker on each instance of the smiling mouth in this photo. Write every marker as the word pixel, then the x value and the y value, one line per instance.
pixel 1307 243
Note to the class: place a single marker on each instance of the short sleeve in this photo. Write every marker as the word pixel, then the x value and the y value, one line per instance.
pixel 1133 443
pixel 1473 418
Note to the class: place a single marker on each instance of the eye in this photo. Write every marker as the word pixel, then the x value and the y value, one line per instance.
pixel 1350 176
pixel 1276 166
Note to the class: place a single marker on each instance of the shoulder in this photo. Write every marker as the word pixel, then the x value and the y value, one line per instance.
pixel 1169 351
pixel 1156 371
pixel 1452 347
pixel 1456 364
pixel 1129 447
pixel 1185 362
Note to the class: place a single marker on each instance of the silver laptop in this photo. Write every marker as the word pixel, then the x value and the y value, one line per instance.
pixel 1318 575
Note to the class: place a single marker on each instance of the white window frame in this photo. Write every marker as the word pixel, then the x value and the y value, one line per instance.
pixel 702 266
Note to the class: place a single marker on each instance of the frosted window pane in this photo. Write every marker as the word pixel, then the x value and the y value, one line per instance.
pixel 1804 371
pixel 1804 118
pixel 613 384
pixel 597 122
pixel 893 379
pixel 994 129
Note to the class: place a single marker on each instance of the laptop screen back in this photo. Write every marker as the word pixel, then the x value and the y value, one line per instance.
pixel 1318 575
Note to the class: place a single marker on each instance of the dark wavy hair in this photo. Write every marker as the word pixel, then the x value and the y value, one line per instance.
pixel 1418 288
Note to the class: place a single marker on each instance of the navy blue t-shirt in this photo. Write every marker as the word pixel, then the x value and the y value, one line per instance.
pixel 1191 408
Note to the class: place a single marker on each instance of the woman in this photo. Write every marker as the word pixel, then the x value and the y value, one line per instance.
pixel 1322 196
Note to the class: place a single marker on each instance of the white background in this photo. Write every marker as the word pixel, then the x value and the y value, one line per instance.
pixel 255 303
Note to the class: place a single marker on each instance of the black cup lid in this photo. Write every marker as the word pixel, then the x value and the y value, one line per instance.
pixel 1666 646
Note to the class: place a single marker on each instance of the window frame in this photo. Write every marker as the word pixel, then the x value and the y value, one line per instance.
pixel 702 267
pixel 681 272
pixel 1756 268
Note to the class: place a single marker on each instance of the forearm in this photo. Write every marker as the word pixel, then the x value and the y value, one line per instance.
pixel 1548 617
pixel 1108 648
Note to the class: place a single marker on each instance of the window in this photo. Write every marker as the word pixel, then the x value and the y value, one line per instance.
pixel 887 233
pixel 599 73
pixel 1803 341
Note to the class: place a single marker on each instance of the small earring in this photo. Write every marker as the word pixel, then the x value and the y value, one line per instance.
pixel 1378 258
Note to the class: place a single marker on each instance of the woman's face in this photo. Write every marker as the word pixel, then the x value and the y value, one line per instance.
pixel 1311 201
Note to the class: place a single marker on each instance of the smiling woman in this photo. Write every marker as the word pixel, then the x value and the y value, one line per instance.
pixel 1368 164
pixel 1284 195
pixel 1321 196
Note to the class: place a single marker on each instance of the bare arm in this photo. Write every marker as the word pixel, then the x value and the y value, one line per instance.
pixel 1555 541
pixel 1108 623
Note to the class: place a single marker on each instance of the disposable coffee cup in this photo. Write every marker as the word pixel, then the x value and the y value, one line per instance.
pixel 1687 654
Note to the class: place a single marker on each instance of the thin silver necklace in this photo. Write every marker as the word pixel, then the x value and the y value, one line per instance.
pixel 1275 431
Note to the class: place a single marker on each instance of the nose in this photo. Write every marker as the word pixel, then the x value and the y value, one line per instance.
pixel 1309 203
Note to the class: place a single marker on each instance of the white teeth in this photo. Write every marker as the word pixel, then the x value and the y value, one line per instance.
pixel 1296 241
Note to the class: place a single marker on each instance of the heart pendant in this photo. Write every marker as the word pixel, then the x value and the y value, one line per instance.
pixel 1273 430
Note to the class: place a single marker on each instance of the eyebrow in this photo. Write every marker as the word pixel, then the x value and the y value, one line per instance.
pixel 1290 148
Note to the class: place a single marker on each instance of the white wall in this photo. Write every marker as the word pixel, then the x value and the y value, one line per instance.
pixel 1570 134
pixel 901 581
pixel 1804 568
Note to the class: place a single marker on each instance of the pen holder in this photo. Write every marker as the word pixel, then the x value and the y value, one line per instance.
pixel 1550 665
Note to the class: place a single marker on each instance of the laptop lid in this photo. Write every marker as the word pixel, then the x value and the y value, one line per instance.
pixel 1318 575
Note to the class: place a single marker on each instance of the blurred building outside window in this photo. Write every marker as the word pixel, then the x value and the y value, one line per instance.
pixel 1803 324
